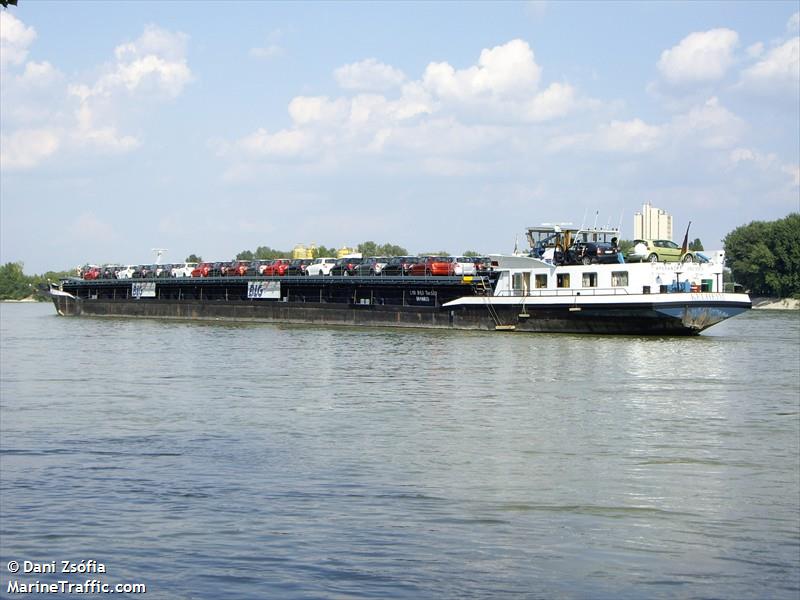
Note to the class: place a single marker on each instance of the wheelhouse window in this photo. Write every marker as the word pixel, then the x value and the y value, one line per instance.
pixel 562 280
pixel 619 278
pixel 589 280
pixel 541 280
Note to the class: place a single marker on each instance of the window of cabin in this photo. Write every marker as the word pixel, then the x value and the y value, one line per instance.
pixel 619 278
pixel 541 280
pixel 562 280
pixel 516 282
pixel 589 280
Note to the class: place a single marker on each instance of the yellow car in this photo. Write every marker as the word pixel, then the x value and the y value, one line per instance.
pixel 658 251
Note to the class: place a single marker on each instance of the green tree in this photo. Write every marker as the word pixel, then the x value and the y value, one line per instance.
pixel 264 252
pixel 764 256
pixel 322 251
pixel 194 258
pixel 471 254
pixel 625 246
pixel 245 255
pixel 14 284
pixel 696 245
pixel 391 250
pixel 368 249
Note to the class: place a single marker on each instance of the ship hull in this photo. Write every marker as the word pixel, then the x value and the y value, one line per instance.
pixel 679 314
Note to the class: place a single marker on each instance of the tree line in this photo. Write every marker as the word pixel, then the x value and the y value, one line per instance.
pixel 368 248
pixel 15 285
pixel 764 256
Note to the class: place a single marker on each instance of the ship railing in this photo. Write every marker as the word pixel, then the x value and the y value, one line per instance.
pixel 563 292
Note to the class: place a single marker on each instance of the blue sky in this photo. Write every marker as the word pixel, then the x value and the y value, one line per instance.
pixel 210 128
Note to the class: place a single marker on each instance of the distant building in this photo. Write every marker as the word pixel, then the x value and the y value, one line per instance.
pixel 652 224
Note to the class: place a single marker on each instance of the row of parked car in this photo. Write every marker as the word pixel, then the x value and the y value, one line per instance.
pixel 348 266
pixel 605 252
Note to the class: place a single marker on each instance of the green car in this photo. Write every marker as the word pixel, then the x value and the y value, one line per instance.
pixel 658 251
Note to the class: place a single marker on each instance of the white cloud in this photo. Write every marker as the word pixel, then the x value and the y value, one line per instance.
pixel 778 71
pixel 26 148
pixel 39 75
pixel 104 138
pixel 310 109
pixel 505 71
pixel 45 114
pixel 793 24
pixel 792 171
pixel 271 49
pixel 709 126
pixel 764 162
pixel 699 57
pixel 368 75
pixel 267 52
pixel 633 136
pixel 285 143
pixel 556 101
pixel 15 38
pixel 155 63
pixel 154 41
pixel 755 50
pixel 88 226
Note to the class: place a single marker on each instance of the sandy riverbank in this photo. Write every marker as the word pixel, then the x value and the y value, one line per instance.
pixel 28 299
pixel 776 303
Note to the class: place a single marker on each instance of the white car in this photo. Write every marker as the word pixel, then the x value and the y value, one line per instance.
pixel 321 266
pixel 126 272
pixel 184 270
pixel 464 266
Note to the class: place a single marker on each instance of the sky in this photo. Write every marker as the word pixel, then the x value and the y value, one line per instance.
pixel 212 128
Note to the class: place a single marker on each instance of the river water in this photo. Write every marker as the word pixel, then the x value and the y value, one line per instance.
pixel 211 460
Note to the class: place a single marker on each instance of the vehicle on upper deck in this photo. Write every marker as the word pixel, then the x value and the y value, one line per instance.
pixel 184 269
pixel 126 272
pixel 592 253
pixel 202 270
pixel 563 243
pixel 661 251
pixel 298 266
pixel 277 267
pixel 236 268
pixel 465 266
pixel 435 265
pixel 90 272
pixel 346 266
pixel 321 266
pixel 399 265
pixel 372 265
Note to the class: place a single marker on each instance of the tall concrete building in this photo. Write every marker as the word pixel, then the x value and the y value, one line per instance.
pixel 652 224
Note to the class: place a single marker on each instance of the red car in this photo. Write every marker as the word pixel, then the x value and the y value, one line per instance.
pixel 277 267
pixel 91 272
pixel 201 270
pixel 434 265
pixel 237 268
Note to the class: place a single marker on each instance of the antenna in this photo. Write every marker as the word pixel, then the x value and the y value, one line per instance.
pixel 159 253
pixel 596 214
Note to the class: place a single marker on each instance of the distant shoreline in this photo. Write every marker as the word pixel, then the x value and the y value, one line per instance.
pixel 776 303
pixel 28 299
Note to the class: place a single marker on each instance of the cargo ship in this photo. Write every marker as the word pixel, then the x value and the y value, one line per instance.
pixel 521 293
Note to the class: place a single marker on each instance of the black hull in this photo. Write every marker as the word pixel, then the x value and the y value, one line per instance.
pixel 639 320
